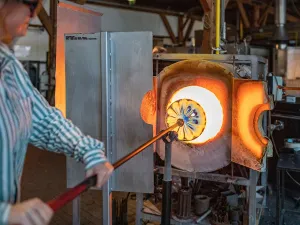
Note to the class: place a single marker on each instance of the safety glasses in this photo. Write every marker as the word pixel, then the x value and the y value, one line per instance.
pixel 32 6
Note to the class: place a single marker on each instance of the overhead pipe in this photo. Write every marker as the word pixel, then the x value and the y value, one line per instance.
pixel 280 35
pixel 280 17
pixel 218 25
pixel 280 38
pixel 223 23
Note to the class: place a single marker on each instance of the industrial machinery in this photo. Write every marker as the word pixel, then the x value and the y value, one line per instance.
pixel 230 109
pixel 232 93
pixel 229 96
pixel 215 172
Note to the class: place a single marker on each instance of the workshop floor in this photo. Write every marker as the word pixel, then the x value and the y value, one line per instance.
pixel 45 176
pixel 269 217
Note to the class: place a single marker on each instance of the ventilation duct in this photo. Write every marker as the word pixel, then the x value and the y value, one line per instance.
pixel 280 35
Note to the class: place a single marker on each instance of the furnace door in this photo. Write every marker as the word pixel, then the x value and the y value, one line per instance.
pixel 107 75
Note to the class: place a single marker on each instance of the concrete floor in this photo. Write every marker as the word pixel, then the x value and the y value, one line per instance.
pixel 45 177
pixel 269 217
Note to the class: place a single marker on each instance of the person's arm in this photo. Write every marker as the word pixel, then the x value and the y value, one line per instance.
pixel 51 131
pixel 55 133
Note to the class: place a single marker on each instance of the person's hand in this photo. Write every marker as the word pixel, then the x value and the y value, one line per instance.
pixel 30 212
pixel 103 172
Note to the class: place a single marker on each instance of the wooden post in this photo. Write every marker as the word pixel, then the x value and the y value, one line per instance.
pixel 209 28
pixel 209 32
pixel 52 51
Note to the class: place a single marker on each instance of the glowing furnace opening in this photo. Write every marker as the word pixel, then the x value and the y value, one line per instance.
pixel 211 106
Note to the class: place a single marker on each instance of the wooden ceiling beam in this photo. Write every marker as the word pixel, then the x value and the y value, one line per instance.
pixel 80 2
pixel 189 30
pixel 206 5
pixel 168 27
pixel 265 12
pixel 185 23
pixel 269 9
pixel 243 13
pixel 289 17
pixel 264 22
pixel 46 21
pixel 234 5
pixel 106 3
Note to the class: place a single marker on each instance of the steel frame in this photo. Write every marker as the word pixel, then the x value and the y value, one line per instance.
pixel 107 127
pixel 286 163
pixel 208 176
pixel 250 183
pixel 253 61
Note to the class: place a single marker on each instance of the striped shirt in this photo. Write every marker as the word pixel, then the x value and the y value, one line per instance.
pixel 26 117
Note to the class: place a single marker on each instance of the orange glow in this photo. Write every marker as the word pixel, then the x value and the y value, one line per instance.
pixel 65 25
pixel 250 104
pixel 258 117
pixel 148 110
pixel 233 109
pixel 211 106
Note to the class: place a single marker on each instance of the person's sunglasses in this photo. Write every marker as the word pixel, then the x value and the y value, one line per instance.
pixel 32 6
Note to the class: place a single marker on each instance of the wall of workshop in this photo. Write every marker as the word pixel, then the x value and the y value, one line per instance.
pixel 127 20
pixel 34 46
pixel 113 20
pixel 37 40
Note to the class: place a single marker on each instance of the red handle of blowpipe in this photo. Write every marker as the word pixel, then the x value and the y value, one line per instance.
pixel 71 194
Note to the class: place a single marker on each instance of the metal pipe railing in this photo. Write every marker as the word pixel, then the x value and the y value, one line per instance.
pixel 218 25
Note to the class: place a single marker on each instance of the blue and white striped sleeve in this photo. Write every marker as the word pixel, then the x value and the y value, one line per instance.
pixel 55 133
pixel 4 212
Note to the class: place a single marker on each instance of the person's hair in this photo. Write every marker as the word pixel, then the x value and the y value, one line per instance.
pixel 5 1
